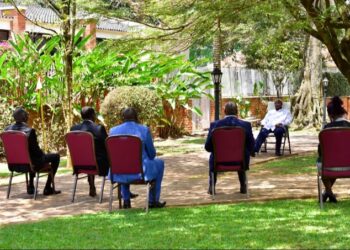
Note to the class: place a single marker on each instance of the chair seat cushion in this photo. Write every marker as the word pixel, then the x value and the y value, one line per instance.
pixel 227 168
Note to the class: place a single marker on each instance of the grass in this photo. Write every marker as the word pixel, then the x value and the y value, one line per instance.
pixel 305 164
pixel 274 224
pixel 200 141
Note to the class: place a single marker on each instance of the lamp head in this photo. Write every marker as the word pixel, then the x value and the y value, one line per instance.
pixel 216 75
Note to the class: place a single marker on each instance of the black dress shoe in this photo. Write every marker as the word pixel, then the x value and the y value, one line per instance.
pixel 92 191
pixel 51 191
pixel 332 198
pixel 127 204
pixel 30 189
pixel 157 204
pixel 133 196
pixel 324 196
pixel 278 154
pixel 243 189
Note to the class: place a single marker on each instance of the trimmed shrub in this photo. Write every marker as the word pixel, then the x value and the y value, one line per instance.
pixel 5 119
pixel 147 104
pixel 338 84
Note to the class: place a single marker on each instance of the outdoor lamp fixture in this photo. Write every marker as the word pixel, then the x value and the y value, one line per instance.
pixel 216 77
pixel 325 85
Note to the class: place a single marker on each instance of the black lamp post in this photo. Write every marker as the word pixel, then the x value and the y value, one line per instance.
pixel 216 76
pixel 325 85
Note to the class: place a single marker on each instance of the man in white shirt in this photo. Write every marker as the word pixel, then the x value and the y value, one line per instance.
pixel 274 122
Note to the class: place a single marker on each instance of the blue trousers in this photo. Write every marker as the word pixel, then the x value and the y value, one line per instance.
pixel 278 132
pixel 154 171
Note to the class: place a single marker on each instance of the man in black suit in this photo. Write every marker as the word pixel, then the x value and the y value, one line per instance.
pixel 231 119
pixel 38 158
pixel 99 133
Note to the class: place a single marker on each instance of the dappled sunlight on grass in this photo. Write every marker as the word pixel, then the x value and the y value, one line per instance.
pixel 274 224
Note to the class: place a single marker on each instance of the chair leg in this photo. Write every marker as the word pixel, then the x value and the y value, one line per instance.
pixel 9 187
pixel 319 190
pixel 119 196
pixel 246 183
pixel 75 183
pixel 102 188
pixel 147 196
pixel 212 186
pixel 111 197
pixel 36 185
pixel 290 149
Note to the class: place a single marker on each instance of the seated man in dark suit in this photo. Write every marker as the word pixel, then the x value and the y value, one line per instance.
pixel 99 133
pixel 231 119
pixel 38 158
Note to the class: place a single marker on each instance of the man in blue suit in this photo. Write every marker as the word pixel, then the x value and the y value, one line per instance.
pixel 231 119
pixel 153 167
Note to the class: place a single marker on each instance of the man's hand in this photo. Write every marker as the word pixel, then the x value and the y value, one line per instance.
pixel 278 125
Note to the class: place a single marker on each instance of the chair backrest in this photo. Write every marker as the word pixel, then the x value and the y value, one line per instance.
pixel 229 148
pixel 82 149
pixel 285 105
pixel 16 150
pixel 335 144
pixel 125 154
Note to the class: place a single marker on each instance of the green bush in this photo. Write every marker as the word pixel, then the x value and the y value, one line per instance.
pixel 145 101
pixel 338 84
pixel 5 119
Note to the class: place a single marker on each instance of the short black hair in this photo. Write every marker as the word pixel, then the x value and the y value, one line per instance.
pixel 20 115
pixel 88 113
pixel 129 114
pixel 335 107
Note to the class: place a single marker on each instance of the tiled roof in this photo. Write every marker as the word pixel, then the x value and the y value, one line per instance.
pixel 46 15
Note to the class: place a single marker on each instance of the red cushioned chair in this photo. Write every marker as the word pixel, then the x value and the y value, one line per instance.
pixel 18 158
pixel 229 151
pixel 125 157
pixel 82 151
pixel 335 160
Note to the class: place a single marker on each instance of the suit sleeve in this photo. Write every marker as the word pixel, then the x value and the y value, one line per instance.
pixel 208 143
pixel 103 133
pixel 33 144
pixel 151 151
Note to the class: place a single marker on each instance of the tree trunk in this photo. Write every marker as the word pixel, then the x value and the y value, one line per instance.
pixel 308 108
pixel 217 56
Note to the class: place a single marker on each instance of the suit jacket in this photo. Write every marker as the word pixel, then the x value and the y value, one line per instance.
pixel 36 154
pixel 148 150
pixel 100 135
pixel 226 122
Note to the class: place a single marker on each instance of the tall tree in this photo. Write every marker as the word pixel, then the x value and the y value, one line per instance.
pixel 328 21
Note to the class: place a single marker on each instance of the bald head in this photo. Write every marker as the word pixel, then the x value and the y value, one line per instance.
pixel 20 115
pixel 278 104
pixel 231 108
pixel 129 114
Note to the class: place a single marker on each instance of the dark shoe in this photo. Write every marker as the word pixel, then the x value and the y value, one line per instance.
pixel 126 204
pixel 92 191
pixel 243 189
pixel 30 189
pixel 324 196
pixel 278 154
pixel 157 204
pixel 50 191
pixel 133 196
pixel 332 198
pixel 210 191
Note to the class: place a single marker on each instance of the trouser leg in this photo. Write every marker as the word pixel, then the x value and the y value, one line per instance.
pixel 54 159
pixel 155 194
pixel 125 190
pixel 328 183
pixel 261 138
pixel 278 132
pixel 242 178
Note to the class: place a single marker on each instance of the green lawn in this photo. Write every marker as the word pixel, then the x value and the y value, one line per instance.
pixel 274 224
pixel 305 164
